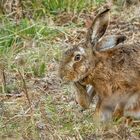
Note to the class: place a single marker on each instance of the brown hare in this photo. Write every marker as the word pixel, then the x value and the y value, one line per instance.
pixel 84 93
pixel 113 70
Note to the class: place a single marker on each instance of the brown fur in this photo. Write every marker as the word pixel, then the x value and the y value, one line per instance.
pixel 113 71
pixel 116 69
pixel 83 98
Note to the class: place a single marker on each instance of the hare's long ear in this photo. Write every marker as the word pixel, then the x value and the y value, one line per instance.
pixel 98 27
pixel 109 42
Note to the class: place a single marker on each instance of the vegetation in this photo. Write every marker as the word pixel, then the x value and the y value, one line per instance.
pixel 34 104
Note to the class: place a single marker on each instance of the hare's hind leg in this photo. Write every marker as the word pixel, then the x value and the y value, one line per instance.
pixel 132 110
pixel 132 107
pixel 106 113
pixel 109 112
pixel 84 96
pixel 112 107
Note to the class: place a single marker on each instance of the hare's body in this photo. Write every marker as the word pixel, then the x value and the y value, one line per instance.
pixel 113 70
pixel 116 69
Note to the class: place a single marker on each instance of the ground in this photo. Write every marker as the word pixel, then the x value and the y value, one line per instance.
pixel 34 102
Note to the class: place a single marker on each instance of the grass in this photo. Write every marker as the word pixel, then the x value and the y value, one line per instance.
pixel 30 51
pixel 56 6
pixel 31 47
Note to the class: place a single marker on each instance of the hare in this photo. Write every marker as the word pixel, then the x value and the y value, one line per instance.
pixel 113 69
pixel 84 93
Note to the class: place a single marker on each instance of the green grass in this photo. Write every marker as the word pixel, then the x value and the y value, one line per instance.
pixel 12 34
pixel 29 46
pixel 33 46
pixel 56 6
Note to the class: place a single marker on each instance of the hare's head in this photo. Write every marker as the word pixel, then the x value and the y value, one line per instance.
pixel 79 60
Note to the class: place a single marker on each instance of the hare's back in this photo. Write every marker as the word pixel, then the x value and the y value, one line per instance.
pixel 125 57
pixel 123 64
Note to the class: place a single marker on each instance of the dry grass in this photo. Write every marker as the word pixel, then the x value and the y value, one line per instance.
pixel 34 104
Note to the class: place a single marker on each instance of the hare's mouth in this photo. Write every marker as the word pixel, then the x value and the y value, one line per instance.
pixel 75 77
pixel 67 79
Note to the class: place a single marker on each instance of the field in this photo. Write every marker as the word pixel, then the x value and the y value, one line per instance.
pixel 34 103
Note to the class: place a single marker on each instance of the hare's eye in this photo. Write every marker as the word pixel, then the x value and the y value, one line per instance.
pixel 77 57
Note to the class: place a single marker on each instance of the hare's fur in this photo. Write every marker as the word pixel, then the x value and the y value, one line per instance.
pixel 111 71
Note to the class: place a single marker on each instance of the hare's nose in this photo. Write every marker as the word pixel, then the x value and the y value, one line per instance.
pixel 65 79
pixel 62 77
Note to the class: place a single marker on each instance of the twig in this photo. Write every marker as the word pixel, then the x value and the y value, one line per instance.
pixel 13 95
pixel 25 90
pixel 4 78
pixel 42 90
